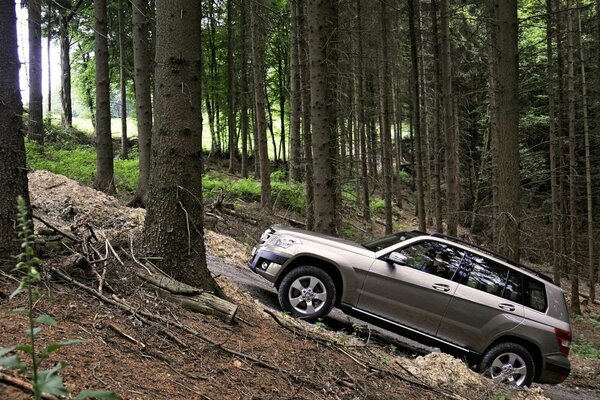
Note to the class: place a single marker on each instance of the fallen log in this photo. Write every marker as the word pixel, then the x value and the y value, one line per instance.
pixel 169 284
pixel 23 385
pixel 204 303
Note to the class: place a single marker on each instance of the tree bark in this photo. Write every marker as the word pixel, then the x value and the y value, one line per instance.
pixel 104 180
pixel 452 142
pixel 322 18
pixel 244 90
pixel 174 223
pixel 295 98
pixel 437 136
pixel 36 113
pixel 13 171
pixel 364 175
pixel 123 82
pixel 588 166
pixel 65 65
pixel 305 90
pixel 413 15
pixel 507 148
pixel 143 101
pixel 231 122
pixel 49 63
pixel 258 54
pixel 386 118
pixel 575 305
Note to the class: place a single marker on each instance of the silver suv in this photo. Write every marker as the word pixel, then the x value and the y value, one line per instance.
pixel 510 321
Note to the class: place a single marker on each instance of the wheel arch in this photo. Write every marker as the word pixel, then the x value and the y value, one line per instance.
pixel 326 265
pixel 531 347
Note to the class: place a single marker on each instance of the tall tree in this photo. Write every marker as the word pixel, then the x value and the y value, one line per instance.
pixel 104 180
pixel 575 305
pixel 322 23
pixel 304 67
pixel 295 98
pixel 244 90
pixel 437 135
pixel 413 15
pixel 258 55
pixel 452 142
pixel 13 172
pixel 36 113
pixel 143 102
pixel 506 148
pixel 123 81
pixel 174 223
pixel 49 62
pixel 231 117
pixel 364 176
pixel 386 116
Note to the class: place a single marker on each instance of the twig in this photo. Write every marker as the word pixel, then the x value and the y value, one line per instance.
pixel 11 380
pixel 126 336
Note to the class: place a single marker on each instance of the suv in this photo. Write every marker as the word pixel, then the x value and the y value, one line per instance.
pixel 510 321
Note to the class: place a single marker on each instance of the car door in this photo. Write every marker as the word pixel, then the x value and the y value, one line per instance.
pixel 415 290
pixel 486 303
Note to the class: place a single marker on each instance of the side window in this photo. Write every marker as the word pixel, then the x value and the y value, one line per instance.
pixel 535 294
pixel 484 274
pixel 434 258
pixel 514 287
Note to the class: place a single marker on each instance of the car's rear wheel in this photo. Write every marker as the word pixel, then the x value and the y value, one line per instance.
pixel 508 363
pixel 307 292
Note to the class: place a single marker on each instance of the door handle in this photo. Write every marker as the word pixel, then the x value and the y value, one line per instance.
pixel 441 287
pixel 506 307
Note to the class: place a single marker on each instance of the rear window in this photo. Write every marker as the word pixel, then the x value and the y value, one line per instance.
pixel 534 294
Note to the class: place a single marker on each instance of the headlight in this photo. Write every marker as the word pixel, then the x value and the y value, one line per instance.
pixel 284 241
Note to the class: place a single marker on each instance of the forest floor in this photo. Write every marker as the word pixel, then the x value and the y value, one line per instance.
pixel 263 354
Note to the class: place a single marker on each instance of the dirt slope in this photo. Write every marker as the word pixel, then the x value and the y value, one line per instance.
pixel 259 356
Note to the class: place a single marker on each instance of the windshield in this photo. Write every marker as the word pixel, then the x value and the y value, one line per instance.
pixel 390 240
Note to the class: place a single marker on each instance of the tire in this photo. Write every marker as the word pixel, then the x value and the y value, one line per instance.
pixel 307 292
pixel 508 363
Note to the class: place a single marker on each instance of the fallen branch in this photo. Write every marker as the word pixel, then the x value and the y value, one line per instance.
pixel 170 284
pixel 11 380
pixel 292 220
pixel 55 229
pixel 204 303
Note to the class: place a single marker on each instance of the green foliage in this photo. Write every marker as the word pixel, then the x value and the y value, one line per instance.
pixel 377 205
pixel 584 348
pixel 43 381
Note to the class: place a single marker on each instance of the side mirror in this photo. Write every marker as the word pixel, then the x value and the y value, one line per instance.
pixel 396 258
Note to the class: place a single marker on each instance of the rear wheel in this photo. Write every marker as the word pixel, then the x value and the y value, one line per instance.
pixel 307 292
pixel 508 363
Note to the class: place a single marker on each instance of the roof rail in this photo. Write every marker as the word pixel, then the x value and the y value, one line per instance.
pixel 495 254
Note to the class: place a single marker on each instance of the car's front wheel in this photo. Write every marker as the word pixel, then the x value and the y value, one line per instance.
pixel 508 363
pixel 307 292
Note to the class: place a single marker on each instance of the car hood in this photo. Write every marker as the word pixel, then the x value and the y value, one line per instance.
pixel 326 240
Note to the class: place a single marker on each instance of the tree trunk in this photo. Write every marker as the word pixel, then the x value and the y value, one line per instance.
pixel 65 66
pixel 13 171
pixel 174 223
pixel 230 90
pixel 364 175
pixel 36 107
pixel 386 118
pixel 413 15
pixel 295 98
pixel 123 83
pixel 588 166
pixel 321 18
pixel 104 180
pixel 575 305
pixel 258 67
pixel 244 90
pixel 305 92
pixel 507 147
pixel 437 136
pixel 282 90
pixel 452 142
pixel 49 63
pixel 143 101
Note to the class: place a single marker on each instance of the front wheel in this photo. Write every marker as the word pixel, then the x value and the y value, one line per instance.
pixel 508 363
pixel 307 292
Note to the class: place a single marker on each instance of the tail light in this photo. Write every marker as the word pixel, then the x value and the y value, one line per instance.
pixel 564 340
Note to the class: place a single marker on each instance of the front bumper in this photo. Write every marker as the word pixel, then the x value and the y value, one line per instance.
pixel 267 262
